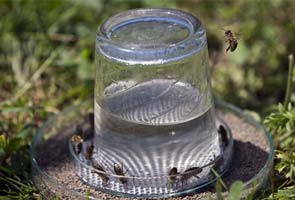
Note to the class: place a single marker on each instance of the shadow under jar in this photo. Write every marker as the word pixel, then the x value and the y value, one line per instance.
pixel 153 102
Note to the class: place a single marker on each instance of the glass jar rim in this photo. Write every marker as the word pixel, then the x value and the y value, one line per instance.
pixel 119 52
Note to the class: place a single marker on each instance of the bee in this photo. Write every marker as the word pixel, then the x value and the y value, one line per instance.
pixel 103 176
pixel 223 135
pixel 119 171
pixel 231 39
pixel 173 177
pixel 189 173
pixel 77 139
pixel 89 152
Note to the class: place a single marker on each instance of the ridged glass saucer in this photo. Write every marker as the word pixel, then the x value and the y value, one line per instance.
pixel 50 186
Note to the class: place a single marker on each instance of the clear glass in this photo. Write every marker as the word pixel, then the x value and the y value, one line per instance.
pixel 153 102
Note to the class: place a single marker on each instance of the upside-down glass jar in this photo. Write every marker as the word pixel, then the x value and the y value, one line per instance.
pixel 155 125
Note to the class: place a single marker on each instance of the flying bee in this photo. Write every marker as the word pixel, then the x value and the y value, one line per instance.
pixel 173 177
pixel 231 39
pixel 118 169
pixel 189 173
pixel 77 139
pixel 89 152
pixel 103 176
pixel 223 135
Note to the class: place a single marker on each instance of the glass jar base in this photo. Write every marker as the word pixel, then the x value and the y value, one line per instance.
pixel 114 178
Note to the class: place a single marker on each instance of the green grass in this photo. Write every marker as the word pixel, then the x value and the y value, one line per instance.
pixel 47 63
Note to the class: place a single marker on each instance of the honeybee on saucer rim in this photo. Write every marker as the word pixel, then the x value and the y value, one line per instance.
pixel 103 176
pixel 173 177
pixel 118 169
pixel 77 139
pixel 89 152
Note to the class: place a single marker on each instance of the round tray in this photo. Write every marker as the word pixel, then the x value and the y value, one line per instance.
pixel 58 125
